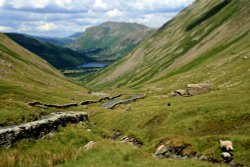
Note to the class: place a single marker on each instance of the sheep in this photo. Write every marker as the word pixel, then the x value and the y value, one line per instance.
pixel 228 157
pixel 226 145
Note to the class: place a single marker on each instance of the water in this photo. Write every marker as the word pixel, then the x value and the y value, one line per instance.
pixel 92 65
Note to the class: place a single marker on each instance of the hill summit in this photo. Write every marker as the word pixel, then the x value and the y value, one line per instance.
pixel 111 40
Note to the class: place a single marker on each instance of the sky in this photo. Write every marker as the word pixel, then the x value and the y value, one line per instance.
pixel 61 18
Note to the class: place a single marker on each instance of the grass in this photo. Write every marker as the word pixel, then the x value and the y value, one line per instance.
pixel 65 145
pixel 206 56
pixel 199 120
pixel 123 155
pixel 208 14
pixel 30 78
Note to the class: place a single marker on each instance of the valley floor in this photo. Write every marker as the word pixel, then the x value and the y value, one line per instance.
pixel 200 120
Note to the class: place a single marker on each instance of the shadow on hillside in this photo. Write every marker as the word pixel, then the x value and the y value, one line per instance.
pixel 209 14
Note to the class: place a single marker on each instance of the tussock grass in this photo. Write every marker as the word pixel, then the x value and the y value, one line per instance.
pixel 65 145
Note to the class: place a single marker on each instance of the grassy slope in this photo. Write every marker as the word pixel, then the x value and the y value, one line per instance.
pixel 221 57
pixel 177 49
pixel 24 77
pixel 58 56
pixel 117 39
pixel 199 120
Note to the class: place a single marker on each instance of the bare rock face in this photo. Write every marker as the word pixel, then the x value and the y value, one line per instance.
pixel 197 89
pixel 36 129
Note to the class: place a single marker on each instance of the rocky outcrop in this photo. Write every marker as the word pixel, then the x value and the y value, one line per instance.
pixel 64 106
pixel 173 149
pixel 181 150
pixel 192 90
pixel 130 140
pixel 39 128
pixel 112 104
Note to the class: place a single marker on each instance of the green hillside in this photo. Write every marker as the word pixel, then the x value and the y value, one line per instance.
pixel 208 42
pixel 57 56
pixel 114 39
pixel 24 77
pixel 191 44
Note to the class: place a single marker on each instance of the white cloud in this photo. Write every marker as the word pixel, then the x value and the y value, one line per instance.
pixel 5 29
pixel 114 13
pixel 154 20
pixel 47 27
pixel 24 27
pixel 99 4
pixel 18 4
pixel 2 2
pixel 63 17
pixel 157 4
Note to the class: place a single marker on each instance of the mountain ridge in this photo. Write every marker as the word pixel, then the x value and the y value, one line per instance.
pixel 116 39
pixel 56 40
pixel 60 57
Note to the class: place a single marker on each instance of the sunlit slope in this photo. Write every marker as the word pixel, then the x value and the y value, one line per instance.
pixel 208 37
pixel 25 77
pixel 111 40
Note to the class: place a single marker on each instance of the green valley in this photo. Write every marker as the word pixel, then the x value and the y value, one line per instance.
pixel 179 92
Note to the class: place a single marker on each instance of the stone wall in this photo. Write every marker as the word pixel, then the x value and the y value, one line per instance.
pixel 39 128
pixel 64 106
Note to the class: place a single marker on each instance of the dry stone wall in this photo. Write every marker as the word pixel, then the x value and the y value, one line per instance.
pixel 9 135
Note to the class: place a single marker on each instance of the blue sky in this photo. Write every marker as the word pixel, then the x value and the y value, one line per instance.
pixel 60 18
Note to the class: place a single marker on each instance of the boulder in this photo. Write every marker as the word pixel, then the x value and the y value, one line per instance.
pixel 197 89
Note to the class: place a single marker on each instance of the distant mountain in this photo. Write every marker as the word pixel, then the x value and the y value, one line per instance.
pixel 57 56
pixel 111 40
pixel 75 35
pixel 59 41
